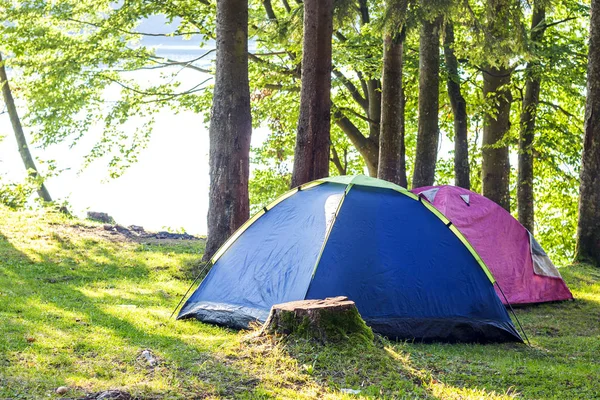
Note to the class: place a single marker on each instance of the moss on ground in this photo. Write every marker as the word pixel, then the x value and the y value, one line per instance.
pixel 78 308
pixel 324 326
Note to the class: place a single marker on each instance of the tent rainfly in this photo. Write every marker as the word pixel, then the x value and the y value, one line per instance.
pixel 517 261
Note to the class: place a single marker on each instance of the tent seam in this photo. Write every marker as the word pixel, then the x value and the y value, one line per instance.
pixel 462 239
pixel 326 239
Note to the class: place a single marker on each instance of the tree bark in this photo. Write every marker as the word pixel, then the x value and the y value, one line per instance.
pixel 366 146
pixel 527 132
pixel 333 319
pixel 15 121
pixel 311 156
pixel 373 95
pixel 230 127
pixel 342 167
pixel 374 90
pixel 428 129
pixel 392 159
pixel 462 171
pixel 495 167
pixel 588 227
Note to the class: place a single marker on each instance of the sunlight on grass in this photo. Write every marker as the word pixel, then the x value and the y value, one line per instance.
pixel 88 306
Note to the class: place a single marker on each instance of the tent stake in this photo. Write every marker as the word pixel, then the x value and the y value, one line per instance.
pixel 513 313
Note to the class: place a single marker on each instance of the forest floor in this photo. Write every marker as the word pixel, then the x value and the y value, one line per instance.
pixel 79 308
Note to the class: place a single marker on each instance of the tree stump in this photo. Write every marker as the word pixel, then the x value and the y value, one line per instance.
pixel 333 319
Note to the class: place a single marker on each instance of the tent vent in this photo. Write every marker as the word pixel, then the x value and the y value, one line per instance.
pixel 430 194
pixel 465 198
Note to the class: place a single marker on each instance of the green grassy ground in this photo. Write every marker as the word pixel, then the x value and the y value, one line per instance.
pixel 78 306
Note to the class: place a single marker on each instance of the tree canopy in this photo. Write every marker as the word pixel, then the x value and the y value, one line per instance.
pixel 64 57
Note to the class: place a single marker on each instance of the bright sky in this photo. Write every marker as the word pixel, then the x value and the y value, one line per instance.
pixel 168 187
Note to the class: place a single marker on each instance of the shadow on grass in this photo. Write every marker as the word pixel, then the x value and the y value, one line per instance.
pixel 89 314
pixel 76 317
pixel 80 312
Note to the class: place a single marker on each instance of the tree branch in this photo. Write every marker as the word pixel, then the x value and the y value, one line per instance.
pixel 276 86
pixel 353 133
pixel 546 26
pixel 562 110
pixel 274 67
pixel 269 10
pixel 185 64
pixel 99 26
pixel 363 85
pixel 361 101
pixel 351 111
pixel 193 89
pixel 335 159
pixel 364 11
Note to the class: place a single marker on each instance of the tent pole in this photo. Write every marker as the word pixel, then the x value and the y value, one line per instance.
pixel 202 271
pixel 513 313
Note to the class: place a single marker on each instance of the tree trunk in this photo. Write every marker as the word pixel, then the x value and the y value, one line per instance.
pixel 588 227
pixel 462 171
pixel 15 121
pixel 374 90
pixel 527 132
pixel 311 156
pixel 428 129
pixel 230 126
pixel 495 167
pixel 392 159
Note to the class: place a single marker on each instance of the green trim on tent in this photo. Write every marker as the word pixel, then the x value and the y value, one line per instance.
pixel 362 180
pixel 236 235
pixel 460 237
pixel 349 181
pixel 256 216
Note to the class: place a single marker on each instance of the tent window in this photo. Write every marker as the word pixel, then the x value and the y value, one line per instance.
pixel 542 265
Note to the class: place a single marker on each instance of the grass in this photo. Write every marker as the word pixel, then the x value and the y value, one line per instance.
pixel 78 307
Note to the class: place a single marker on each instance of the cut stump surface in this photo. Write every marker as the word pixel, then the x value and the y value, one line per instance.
pixel 331 319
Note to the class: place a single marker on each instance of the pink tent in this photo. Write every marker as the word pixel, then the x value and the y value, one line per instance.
pixel 515 258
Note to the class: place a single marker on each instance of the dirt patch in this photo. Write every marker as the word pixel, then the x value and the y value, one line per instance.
pixel 133 233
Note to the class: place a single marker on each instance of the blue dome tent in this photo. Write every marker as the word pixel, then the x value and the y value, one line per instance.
pixel 410 272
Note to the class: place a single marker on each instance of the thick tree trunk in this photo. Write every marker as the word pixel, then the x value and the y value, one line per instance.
pixel 428 129
pixel 462 171
pixel 495 168
pixel 527 132
pixel 230 126
pixel 588 227
pixel 311 156
pixel 392 159
pixel 15 121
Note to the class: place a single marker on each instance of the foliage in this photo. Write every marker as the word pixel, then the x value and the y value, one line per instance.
pixel 70 54
pixel 67 56
pixel 79 306
pixel 15 195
